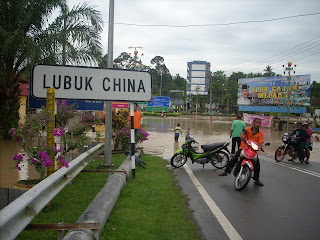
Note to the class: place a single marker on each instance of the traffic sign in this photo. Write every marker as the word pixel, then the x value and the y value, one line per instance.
pixel 159 102
pixel 89 83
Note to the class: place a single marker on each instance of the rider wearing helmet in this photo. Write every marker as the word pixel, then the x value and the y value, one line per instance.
pixel 301 134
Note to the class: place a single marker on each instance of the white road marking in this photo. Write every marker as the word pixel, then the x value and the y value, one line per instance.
pixel 224 222
pixel 291 167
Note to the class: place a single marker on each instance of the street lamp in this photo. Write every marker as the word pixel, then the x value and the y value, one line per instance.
pixel 161 71
pixel 289 69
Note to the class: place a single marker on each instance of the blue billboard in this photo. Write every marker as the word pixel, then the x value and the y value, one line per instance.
pixel 79 104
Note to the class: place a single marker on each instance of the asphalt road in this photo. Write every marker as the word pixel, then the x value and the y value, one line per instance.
pixel 286 207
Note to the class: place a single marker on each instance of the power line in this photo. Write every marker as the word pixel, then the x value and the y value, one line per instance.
pixel 281 53
pixel 217 24
pixel 282 58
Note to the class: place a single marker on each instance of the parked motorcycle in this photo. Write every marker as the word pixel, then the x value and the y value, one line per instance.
pixel 216 153
pixel 289 146
pixel 245 167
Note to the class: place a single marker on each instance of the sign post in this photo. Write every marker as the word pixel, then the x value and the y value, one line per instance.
pixel 51 102
pixel 85 83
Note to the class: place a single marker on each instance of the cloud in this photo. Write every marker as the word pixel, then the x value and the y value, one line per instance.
pixel 231 47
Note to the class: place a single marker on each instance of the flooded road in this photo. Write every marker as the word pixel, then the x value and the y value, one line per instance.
pixel 161 142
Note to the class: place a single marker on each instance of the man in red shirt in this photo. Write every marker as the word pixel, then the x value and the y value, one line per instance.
pixel 250 133
pixel 309 132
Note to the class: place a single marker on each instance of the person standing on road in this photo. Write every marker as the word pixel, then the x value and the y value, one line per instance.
pixel 301 140
pixel 250 133
pixel 136 120
pixel 309 132
pixel 177 132
pixel 236 129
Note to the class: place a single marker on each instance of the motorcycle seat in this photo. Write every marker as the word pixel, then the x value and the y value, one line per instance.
pixel 211 147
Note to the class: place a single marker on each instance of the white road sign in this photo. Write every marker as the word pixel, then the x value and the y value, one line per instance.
pixel 90 83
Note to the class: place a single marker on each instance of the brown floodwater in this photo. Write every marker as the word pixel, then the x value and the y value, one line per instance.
pixel 161 142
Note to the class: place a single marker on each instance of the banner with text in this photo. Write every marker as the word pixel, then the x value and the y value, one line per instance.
pixel 279 90
pixel 265 120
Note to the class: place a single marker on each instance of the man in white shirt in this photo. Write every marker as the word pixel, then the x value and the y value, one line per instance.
pixel 243 100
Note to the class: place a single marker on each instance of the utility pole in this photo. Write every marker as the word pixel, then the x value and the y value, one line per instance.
pixel 108 113
pixel 161 71
pixel 210 96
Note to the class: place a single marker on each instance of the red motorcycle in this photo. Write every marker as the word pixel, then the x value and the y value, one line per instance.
pixel 245 166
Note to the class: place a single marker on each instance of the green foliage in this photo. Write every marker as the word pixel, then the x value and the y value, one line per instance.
pixel 21 25
pixel 28 38
pixel 124 137
pixel 70 143
pixel 119 121
pixel 64 113
pixel 74 36
pixel 9 117
pixel 268 72
pixel 79 128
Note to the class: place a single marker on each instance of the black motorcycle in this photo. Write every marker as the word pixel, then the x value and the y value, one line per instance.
pixel 289 146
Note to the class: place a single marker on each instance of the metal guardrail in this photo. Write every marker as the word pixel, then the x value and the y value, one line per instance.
pixel 18 214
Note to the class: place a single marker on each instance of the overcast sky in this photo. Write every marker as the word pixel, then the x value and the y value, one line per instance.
pixel 246 47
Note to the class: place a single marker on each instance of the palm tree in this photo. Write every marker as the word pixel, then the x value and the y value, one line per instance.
pixel 74 36
pixel 268 72
pixel 21 23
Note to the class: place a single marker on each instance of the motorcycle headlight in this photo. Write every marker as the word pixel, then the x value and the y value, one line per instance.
pixel 285 138
pixel 254 146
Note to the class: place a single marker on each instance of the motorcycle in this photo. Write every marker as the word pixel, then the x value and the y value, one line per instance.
pixel 245 166
pixel 216 153
pixel 289 146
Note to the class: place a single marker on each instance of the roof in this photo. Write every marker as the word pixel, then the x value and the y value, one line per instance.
pixel 24 87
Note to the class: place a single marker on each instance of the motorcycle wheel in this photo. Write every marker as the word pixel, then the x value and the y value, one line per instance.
pixel 178 160
pixel 279 155
pixel 241 181
pixel 220 160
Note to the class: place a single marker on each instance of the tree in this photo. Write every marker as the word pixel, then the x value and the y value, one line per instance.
pixel 158 61
pixel 74 36
pixel 219 80
pixel 21 24
pixel 268 72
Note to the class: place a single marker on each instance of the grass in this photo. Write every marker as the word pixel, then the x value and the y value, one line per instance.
pixel 151 206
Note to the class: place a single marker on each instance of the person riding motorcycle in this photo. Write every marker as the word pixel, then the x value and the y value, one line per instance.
pixel 309 132
pixel 249 133
pixel 300 134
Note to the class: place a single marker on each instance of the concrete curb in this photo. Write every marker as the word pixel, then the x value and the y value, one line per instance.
pixel 100 208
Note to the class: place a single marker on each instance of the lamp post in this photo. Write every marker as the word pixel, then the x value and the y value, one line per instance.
pixel 161 71
pixel 289 69
pixel 197 89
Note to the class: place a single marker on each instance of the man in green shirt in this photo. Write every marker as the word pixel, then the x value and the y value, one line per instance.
pixel 236 129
